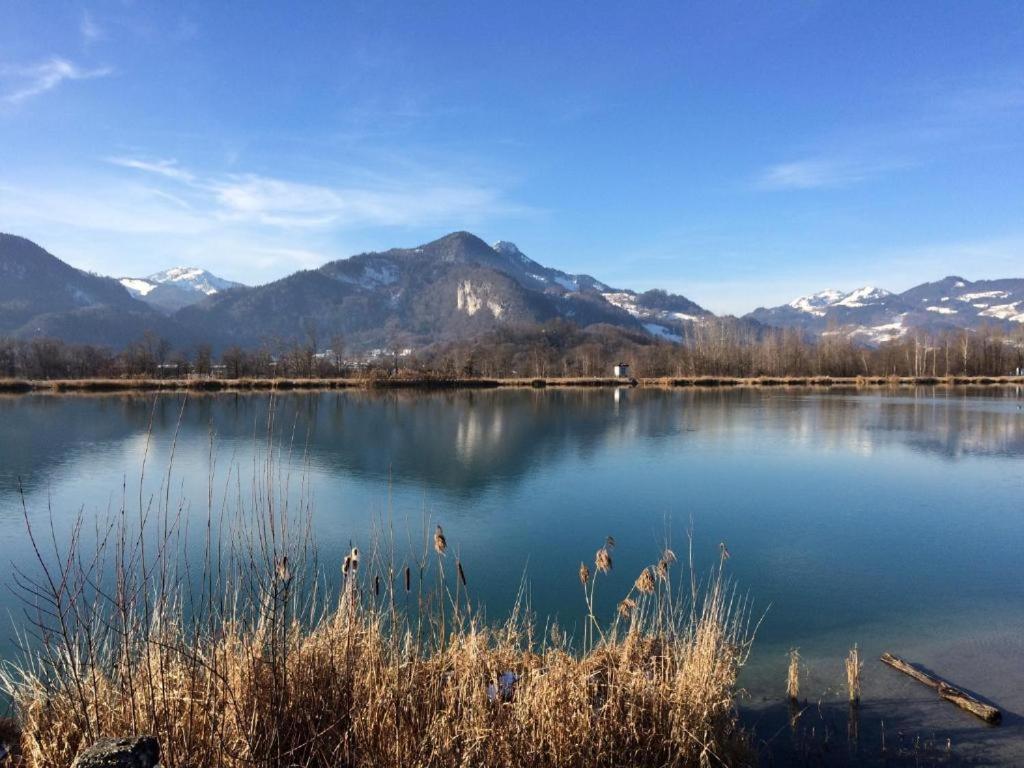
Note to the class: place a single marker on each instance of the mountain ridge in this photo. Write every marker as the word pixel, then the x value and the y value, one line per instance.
pixel 453 288
pixel 171 289
pixel 876 315
pixel 43 296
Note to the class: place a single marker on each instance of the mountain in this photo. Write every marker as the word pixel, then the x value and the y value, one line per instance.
pixel 970 304
pixel 177 287
pixel 870 314
pixel 874 315
pixel 41 296
pixel 454 287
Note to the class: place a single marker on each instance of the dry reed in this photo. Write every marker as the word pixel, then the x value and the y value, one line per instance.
pixel 240 660
pixel 853 669
pixel 793 675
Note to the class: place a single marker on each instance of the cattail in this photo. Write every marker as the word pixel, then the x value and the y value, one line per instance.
pixel 853 668
pixel 584 574
pixel 407 578
pixel 645 581
pixel 282 572
pixel 462 573
pixel 355 558
pixel 609 542
pixel 376 585
pixel 603 560
pixel 440 542
pixel 626 607
pixel 346 565
pixel 793 676
pixel 724 550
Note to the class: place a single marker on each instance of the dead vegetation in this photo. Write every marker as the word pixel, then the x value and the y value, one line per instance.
pixel 260 654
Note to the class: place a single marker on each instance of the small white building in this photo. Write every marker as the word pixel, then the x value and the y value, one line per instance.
pixel 621 370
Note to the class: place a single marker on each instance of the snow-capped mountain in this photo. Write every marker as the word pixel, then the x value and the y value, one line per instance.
pixel 42 297
pixel 874 315
pixel 661 314
pixel 177 287
pixel 970 303
pixel 454 287
pixel 870 314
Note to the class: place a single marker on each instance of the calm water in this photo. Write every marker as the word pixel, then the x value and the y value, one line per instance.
pixel 878 518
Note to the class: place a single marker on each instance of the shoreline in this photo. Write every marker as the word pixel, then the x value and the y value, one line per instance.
pixel 71 386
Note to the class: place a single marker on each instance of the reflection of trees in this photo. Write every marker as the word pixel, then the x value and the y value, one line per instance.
pixel 39 434
pixel 464 441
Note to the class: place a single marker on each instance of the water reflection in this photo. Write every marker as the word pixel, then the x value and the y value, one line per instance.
pixel 818 493
pixel 466 442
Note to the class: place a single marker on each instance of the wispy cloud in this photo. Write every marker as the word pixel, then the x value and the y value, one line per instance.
pixel 817 173
pixel 137 212
pixel 168 168
pixel 24 82
pixel 275 202
pixel 953 117
pixel 91 31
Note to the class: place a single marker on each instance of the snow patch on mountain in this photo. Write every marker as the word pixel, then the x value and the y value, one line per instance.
pixel 863 296
pixel 623 300
pixel 879 334
pixel 815 304
pixel 569 283
pixel 187 278
pixel 1010 312
pixel 662 332
pixel 968 297
pixel 136 286
pixel 505 248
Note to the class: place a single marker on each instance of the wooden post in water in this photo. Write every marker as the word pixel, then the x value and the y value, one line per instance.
pixel 945 689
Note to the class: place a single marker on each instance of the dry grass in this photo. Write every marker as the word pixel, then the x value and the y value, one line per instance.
pixel 853 669
pixel 793 675
pixel 242 660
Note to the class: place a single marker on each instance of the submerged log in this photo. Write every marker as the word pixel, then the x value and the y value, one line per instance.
pixel 945 689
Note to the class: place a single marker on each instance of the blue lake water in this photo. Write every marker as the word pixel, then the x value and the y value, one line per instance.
pixel 884 518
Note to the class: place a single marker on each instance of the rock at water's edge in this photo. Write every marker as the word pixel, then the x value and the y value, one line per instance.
pixel 131 752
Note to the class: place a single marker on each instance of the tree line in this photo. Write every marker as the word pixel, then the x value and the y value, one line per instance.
pixel 723 347
pixel 718 347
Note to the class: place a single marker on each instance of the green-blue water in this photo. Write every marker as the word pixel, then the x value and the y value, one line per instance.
pixel 869 518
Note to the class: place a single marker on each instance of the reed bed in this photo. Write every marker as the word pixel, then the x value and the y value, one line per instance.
pixel 260 654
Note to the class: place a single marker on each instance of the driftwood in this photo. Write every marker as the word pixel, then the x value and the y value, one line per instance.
pixel 946 690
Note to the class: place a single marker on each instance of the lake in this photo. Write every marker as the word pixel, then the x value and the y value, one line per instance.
pixel 891 519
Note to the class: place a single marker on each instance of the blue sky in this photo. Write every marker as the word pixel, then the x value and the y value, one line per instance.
pixel 738 153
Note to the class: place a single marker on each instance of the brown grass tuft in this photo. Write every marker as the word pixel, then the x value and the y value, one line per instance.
pixel 793 675
pixel 853 669
pixel 645 582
